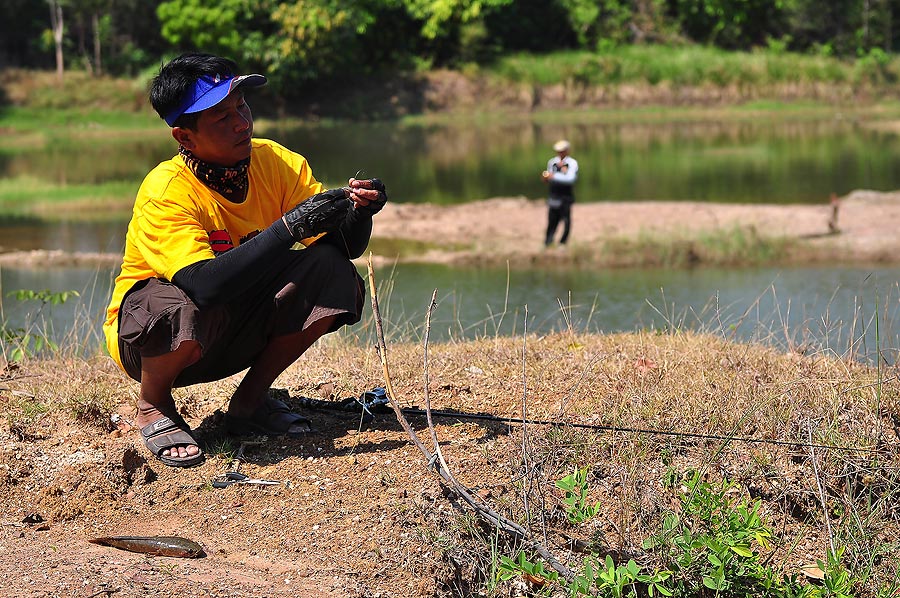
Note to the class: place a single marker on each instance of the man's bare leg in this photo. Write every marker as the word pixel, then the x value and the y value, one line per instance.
pixel 281 352
pixel 157 377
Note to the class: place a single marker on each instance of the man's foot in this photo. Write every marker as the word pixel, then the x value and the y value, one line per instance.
pixel 272 418
pixel 170 441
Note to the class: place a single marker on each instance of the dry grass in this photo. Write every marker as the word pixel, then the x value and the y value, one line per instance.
pixel 681 382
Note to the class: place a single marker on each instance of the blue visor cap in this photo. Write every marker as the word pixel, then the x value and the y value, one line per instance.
pixel 209 91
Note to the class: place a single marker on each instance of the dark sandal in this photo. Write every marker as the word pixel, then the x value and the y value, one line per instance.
pixel 274 418
pixel 167 434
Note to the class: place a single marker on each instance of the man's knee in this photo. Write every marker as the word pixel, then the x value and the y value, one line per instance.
pixel 326 256
pixel 190 351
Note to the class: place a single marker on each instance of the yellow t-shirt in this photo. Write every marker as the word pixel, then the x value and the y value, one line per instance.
pixel 179 221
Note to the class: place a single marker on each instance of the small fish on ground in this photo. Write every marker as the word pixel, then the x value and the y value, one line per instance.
pixel 153 545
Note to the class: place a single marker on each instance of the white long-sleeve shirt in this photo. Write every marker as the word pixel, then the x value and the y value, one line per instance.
pixel 563 174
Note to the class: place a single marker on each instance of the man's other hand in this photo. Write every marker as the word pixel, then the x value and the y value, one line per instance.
pixel 368 195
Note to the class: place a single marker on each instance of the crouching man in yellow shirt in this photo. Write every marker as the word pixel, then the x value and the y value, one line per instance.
pixel 210 284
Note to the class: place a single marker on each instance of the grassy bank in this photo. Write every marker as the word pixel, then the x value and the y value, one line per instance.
pixel 698 66
pixel 24 198
pixel 737 246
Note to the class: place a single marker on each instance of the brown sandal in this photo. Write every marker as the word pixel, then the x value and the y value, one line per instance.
pixel 273 418
pixel 167 433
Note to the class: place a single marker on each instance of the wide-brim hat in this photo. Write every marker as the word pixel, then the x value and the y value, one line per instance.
pixel 209 91
pixel 561 146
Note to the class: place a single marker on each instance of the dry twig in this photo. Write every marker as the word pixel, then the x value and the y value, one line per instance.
pixel 436 462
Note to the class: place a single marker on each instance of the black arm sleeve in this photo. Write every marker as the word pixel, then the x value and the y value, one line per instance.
pixel 353 236
pixel 210 281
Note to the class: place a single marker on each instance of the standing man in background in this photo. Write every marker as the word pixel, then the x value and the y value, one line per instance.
pixel 561 173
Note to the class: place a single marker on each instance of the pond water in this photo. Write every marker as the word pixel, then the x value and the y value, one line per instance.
pixel 754 161
pixel 831 308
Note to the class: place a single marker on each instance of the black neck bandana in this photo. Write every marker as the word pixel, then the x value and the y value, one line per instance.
pixel 230 181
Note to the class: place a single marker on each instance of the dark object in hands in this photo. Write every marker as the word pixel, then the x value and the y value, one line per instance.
pixel 154 545
pixel 321 213
pixel 374 206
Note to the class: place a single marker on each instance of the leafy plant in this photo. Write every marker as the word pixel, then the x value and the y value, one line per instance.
pixel 535 571
pixel 575 489
pixel 837 581
pixel 602 577
pixel 596 577
pixel 711 544
pixel 614 580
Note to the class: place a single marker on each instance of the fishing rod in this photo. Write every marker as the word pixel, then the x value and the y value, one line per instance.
pixel 376 401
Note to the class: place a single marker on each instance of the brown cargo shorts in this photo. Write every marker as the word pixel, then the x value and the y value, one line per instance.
pixel 297 289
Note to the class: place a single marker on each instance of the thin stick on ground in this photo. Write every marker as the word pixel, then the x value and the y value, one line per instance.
pixel 434 438
pixel 440 468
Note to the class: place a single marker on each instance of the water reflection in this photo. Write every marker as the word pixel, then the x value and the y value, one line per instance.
pixel 783 161
pixel 810 308
pixel 761 162
pixel 29 233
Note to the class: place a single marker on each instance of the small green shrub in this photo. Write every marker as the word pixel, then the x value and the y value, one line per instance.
pixel 575 489
pixel 710 547
pixel 711 543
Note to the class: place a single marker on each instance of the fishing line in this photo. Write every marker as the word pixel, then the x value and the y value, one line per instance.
pixel 558 424
pixel 380 406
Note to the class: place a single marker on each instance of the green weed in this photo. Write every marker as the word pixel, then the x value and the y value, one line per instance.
pixel 710 547
pixel 575 489
pixel 713 541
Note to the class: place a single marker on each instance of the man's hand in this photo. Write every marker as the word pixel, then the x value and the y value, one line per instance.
pixel 546 176
pixel 321 213
pixel 368 195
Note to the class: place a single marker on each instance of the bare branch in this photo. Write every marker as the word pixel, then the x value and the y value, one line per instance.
pixel 440 467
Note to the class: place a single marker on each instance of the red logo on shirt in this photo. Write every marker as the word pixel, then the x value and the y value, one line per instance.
pixel 220 241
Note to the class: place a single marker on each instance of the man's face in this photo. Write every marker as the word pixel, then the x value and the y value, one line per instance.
pixel 223 132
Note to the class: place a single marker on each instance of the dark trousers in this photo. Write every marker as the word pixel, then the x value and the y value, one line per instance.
pixel 555 215
pixel 297 289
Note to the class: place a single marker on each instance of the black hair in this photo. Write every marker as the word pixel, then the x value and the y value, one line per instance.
pixel 178 76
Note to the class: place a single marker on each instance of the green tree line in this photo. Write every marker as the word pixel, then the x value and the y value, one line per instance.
pixel 298 41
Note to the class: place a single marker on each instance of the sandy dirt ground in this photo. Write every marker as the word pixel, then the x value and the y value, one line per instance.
pixel 501 230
